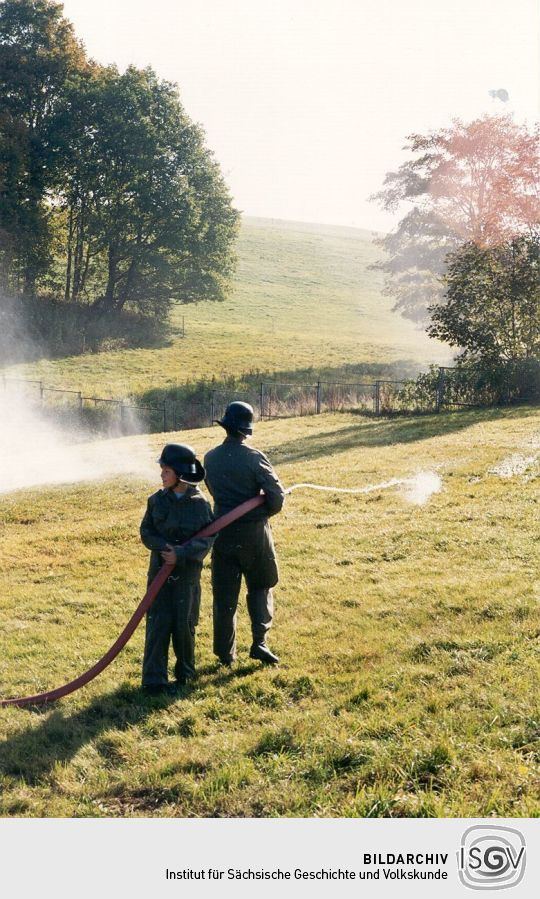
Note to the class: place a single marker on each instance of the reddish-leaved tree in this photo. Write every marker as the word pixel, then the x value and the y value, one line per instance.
pixel 477 182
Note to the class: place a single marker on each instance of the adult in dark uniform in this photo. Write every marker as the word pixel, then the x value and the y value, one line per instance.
pixel 172 516
pixel 235 473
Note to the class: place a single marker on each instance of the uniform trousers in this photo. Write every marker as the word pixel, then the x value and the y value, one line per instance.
pixel 244 548
pixel 174 614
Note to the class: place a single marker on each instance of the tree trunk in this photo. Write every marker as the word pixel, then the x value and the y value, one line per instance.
pixel 108 297
pixel 29 288
pixel 84 274
pixel 79 254
pixel 128 284
pixel 67 291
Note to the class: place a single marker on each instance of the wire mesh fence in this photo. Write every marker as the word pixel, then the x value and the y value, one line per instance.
pixel 431 392
pixel 336 397
pixel 92 414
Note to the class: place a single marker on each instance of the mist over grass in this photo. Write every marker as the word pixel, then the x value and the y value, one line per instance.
pixel 35 452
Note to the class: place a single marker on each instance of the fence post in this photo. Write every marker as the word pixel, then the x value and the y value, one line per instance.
pixel 212 408
pixel 318 397
pixel 440 389
pixel 80 400
pixel 41 392
pixel 377 398
pixel 261 401
pixel 121 408
pixel 164 415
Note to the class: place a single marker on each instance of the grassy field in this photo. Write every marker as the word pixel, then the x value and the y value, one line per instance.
pixel 409 638
pixel 303 297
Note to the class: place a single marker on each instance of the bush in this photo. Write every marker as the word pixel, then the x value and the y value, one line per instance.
pixel 471 385
pixel 31 328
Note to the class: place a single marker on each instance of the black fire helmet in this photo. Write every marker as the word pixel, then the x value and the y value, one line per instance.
pixel 238 418
pixel 183 461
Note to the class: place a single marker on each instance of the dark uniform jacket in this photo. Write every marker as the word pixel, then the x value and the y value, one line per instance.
pixel 169 520
pixel 235 473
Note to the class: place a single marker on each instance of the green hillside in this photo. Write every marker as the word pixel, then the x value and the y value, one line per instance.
pixel 303 298
pixel 408 635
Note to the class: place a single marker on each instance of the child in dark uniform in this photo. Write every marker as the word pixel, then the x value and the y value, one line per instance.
pixel 172 516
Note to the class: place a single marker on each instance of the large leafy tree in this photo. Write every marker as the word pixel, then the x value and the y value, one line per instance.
pixel 471 182
pixel 38 56
pixel 491 310
pixel 108 194
pixel 146 213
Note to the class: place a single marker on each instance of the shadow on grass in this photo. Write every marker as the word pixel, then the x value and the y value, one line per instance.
pixel 389 431
pixel 225 675
pixel 32 753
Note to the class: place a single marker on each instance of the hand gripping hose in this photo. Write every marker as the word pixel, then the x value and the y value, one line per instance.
pixel 146 602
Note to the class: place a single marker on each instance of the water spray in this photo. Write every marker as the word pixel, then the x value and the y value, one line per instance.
pixel 419 488
pixel 56 454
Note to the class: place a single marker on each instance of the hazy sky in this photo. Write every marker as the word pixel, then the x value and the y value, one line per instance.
pixel 306 103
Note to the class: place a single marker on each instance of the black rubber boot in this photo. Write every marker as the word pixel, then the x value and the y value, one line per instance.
pixel 262 653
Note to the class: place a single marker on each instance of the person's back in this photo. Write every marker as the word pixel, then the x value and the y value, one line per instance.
pixel 235 473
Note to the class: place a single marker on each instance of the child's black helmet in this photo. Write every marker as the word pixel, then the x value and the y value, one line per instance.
pixel 183 461
pixel 238 418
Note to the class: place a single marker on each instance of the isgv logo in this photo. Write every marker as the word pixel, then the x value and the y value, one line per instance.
pixel 491 857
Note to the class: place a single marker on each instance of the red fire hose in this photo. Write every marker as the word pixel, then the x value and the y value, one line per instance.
pixel 146 602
